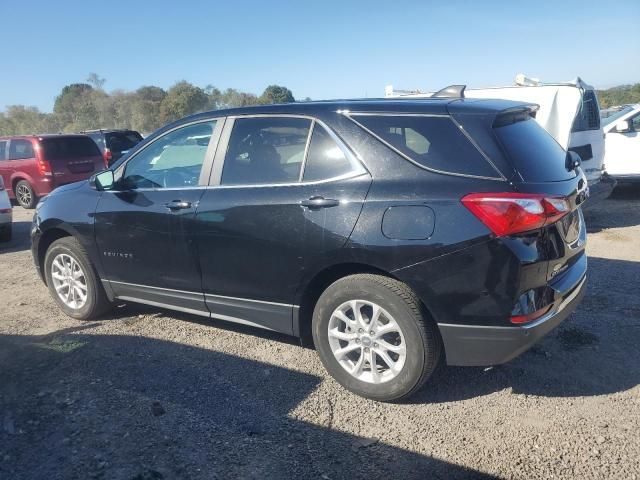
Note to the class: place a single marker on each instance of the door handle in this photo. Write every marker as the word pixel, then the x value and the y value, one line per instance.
pixel 316 203
pixel 177 205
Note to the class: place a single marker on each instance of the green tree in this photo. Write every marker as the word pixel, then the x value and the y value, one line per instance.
pixel 182 99
pixel 95 81
pixel 145 115
pixel 75 107
pixel 277 94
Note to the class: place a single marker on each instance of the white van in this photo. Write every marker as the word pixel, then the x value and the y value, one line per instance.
pixel 568 111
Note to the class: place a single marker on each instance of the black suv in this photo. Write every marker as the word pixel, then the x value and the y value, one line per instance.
pixel 395 233
pixel 114 143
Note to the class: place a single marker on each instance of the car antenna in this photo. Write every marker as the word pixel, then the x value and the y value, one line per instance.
pixel 452 91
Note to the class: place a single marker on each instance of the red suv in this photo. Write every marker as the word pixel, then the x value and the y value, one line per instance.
pixel 33 165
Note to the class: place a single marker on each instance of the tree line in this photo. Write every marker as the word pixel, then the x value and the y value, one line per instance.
pixel 84 106
pixel 619 95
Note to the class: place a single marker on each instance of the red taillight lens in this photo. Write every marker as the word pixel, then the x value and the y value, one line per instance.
pixel 44 168
pixel 509 213
pixel 519 319
pixel 107 157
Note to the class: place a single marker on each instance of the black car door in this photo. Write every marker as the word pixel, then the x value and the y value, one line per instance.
pixel 260 220
pixel 142 226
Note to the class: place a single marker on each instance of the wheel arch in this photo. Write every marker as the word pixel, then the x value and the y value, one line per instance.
pixel 310 293
pixel 44 242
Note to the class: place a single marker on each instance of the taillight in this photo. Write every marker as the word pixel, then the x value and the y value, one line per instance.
pixel 44 167
pixel 510 213
pixel 520 319
pixel 107 157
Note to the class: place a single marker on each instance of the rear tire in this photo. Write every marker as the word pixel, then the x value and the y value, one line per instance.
pixel 73 282
pixel 25 194
pixel 375 320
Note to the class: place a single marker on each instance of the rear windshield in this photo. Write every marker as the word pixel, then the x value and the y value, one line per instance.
pixel 69 147
pixel 533 152
pixel 588 116
pixel 434 142
pixel 121 141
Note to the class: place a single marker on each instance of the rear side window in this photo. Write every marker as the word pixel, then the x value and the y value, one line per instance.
pixel 588 117
pixel 265 150
pixel 3 150
pixel 69 147
pixel 533 152
pixel 19 149
pixel 325 158
pixel 435 143
pixel 121 141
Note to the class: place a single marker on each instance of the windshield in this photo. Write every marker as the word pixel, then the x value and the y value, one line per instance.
pixel 610 116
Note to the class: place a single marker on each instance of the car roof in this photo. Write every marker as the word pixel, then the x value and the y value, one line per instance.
pixel 108 130
pixel 43 136
pixel 381 105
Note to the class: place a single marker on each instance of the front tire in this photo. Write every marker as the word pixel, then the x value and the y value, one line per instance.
pixel 374 336
pixel 25 194
pixel 72 280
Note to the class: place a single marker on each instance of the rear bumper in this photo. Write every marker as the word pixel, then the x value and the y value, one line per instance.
pixel 630 178
pixel 471 345
pixel 600 191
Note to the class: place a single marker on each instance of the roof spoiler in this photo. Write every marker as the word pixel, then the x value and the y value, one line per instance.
pixel 452 91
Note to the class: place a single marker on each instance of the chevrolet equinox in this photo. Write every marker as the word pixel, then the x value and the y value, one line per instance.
pixel 396 234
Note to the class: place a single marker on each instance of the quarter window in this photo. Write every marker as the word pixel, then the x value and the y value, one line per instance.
pixel 434 142
pixel 173 160
pixel 19 149
pixel 325 158
pixel 265 150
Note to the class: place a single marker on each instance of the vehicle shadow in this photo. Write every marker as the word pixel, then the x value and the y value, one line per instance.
pixel 78 406
pixel 617 211
pixel 20 238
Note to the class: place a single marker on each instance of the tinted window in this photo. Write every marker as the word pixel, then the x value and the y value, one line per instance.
pixel 3 149
pixel 173 160
pixel 121 141
pixel 588 117
pixel 433 142
pixel 69 147
pixel 534 153
pixel 98 138
pixel 265 150
pixel 20 149
pixel 325 158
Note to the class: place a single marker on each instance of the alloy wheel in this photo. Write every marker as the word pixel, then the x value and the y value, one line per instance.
pixel 69 281
pixel 24 194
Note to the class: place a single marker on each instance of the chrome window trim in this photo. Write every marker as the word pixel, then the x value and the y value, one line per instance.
pixel 206 162
pixel 359 168
pixel 350 116
pixel 306 150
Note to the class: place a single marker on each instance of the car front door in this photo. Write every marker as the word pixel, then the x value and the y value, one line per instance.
pixel 623 149
pixel 142 226
pixel 261 219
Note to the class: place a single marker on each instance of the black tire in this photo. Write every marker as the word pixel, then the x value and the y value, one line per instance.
pixel 422 340
pixel 6 233
pixel 28 199
pixel 96 302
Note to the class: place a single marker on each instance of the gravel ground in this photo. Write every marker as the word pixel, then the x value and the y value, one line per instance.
pixel 149 394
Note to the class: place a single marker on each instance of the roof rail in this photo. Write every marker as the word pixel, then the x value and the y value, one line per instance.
pixel 452 91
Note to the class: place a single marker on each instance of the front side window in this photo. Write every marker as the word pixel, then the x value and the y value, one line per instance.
pixel 435 142
pixel 20 149
pixel 172 161
pixel 265 150
pixel 325 159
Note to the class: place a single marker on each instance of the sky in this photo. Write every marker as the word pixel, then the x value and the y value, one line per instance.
pixel 322 50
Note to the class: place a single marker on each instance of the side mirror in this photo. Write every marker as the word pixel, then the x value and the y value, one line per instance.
pixel 103 180
pixel 573 160
pixel 622 126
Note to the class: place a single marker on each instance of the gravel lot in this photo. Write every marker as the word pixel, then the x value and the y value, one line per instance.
pixel 149 394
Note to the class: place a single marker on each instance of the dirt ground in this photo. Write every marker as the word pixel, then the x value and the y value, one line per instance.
pixel 149 394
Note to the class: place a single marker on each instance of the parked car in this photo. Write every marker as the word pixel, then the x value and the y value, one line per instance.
pixel 622 139
pixel 114 143
pixel 389 232
pixel 33 165
pixel 6 214
pixel 569 111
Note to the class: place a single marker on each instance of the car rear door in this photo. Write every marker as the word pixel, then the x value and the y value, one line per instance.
pixel 143 226
pixel 71 157
pixel 261 220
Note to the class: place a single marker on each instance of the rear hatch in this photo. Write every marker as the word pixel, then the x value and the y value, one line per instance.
pixel 71 158
pixel 543 168
pixel 120 143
